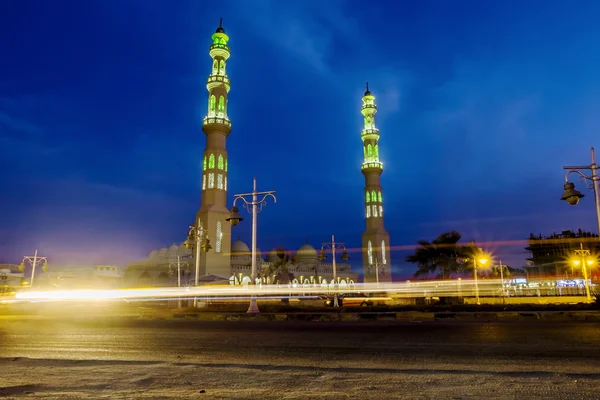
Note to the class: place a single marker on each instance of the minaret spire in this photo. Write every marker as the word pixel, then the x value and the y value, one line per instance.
pixel 375 238
pixel 216 126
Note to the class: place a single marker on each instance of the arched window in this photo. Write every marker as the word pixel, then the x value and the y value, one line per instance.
pixel 222 68
pixel 203 181
pixel 220 181
pixel 221 103
pixel 211 104
pixel 365 151
pixel 374 210
pixel 220 162
pixel 225 184
pixel 225 165
pixel 368 211
pixel 380 198
pixel 376 152
pixel 369 151
pixel 204 164
pixel 211 161
pixel 219 236
pixel 368 197
pixel 370 252
pixel 215 67
pixel 211 180
pixel 380 211
pixel 373 196
pixel 383 260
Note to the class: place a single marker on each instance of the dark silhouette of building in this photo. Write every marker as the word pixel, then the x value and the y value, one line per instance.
pixel 552 255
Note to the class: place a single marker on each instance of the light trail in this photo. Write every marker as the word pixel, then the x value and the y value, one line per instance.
pixel 455 288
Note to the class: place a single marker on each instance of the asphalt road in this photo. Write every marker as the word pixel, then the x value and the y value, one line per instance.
pixel 312 360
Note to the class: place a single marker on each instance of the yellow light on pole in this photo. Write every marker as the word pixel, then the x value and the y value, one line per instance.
pixel 483 261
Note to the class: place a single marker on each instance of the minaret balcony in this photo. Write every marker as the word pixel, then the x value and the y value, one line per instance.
pixel 369 107
pixel 217 80
pixel 374 165
pixel 218 49
pixel 216 120
pixel 372 133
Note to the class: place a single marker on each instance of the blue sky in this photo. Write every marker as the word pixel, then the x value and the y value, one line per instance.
pixel 480 104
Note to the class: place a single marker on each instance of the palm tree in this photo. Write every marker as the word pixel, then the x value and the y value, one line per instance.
pixel 442 254
pixel 279 268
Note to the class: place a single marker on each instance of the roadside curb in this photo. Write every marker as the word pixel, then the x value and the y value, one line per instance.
pixel 408 316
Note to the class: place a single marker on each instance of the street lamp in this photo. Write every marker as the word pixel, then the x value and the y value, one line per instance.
pixel 502 278
pixel 482 261
pixel 572 196
pixel 34 261
pixel 194 240
pixel 333 246
pixel 584 263
pixel 376 264
pixel 254 206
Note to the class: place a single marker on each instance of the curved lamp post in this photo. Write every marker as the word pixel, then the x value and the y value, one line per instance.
pixel 194 240
pixel 34 261
pixel 322 256
pixel 254 205
pixel 572 196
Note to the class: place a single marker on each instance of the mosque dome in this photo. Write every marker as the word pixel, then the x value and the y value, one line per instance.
pixel 307 252
pixel 173 249
pixel 368 92
pixel 240 247
pixel 272 256
pixel 153 254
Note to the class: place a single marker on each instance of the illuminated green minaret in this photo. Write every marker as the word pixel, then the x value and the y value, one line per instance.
pixel 216 126
pixel 375 239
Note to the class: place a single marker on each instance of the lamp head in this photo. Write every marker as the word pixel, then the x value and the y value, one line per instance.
pixel 206 246
pixel 571 195
pixel 322 255
pixel 345 256
pixel 234 216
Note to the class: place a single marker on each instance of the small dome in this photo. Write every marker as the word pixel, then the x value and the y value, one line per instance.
pixel 239 247
pixel 272 256
pixel 173 249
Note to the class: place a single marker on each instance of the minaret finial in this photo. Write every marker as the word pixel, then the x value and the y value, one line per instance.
pixel 221 22
pixel 367 83
pixel 307 240
pixel 239 238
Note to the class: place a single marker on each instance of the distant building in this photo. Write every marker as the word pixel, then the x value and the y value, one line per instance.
pixel 302 267
pixel 95 277
pixel 10 278
pixel 552 255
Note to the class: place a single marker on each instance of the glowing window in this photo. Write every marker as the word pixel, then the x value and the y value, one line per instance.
pixel 383 252
pixel 222 68
pixel 220 162
pixel 370 252
pixel 225 185
pixel 376 154
pixel 215 67
pixel 219 237
pixel 204 164
pixel 374 210
pixel 380 211
pixel 211 161
pixel 369 151
pixel 374 195
pixel 220 181
pixel 380 198
pixel 203 181
pixel 221 103
pixel 211 180
pixel 368 211
pixel 225 165
pixel 211 104
pixel 368 197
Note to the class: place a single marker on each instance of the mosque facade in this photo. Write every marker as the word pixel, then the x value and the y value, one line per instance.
pixel 230 262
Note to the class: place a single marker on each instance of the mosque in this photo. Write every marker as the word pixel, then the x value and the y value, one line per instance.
pixel 230 261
